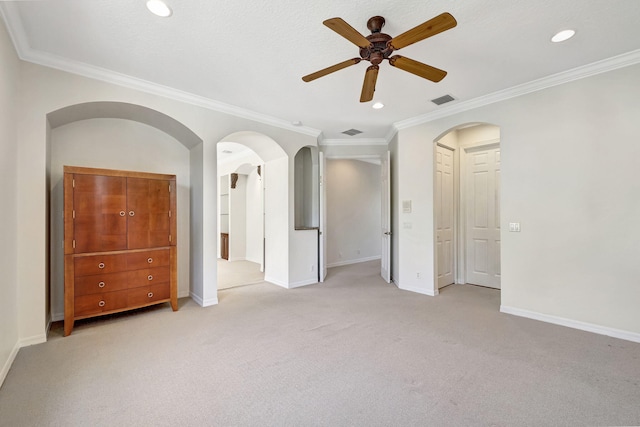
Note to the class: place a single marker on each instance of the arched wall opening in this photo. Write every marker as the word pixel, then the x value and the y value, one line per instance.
pixel 114 135
pixel 467 206
pixel 253 149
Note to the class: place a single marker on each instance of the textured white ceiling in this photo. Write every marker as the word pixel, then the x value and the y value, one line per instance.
pixel 252 54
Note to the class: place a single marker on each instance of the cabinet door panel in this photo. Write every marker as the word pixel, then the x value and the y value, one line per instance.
pixel 98 204
pixel 148 205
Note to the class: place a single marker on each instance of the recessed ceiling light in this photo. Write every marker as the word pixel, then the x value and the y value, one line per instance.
pixel 562 36
pixel 378 105
pixel 297 123
pixel 158 7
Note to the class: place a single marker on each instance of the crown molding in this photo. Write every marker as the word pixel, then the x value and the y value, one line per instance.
pixel 26 53
pixel 356 142
pixel 603 66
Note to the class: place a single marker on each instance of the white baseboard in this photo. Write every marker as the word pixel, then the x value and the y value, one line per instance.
pixel 56 317
pixel 237 259
pixel 203 303
pixel 9 362
pixel 303 283
pixel 36 339
pixel 353 261
pixel 276 282
pixel 575 324
pixel 418 290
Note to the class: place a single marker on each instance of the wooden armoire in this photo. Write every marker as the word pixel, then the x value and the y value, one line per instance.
pixel 119 242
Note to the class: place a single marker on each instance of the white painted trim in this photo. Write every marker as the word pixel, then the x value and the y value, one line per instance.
pixel 431 293
pixel 7 364
pixel 237 259
pixel 184 294
pixel 357 141
pixel 276 282
pixel 570 323
pixel 603 66
pixel 203 303
pixel 33 340
pixel 353 261
pixel 56 317
pixel 303 283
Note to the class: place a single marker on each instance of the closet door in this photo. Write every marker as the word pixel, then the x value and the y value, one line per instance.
pixel 99 217
pixel 148 212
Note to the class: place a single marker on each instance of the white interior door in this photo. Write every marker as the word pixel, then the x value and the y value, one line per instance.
pixel 322 236
pixel 385 172
pixel 483 217
pixel 444 215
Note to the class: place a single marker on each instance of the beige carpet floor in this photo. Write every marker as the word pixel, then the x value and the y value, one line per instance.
pixel 353 351
pixel 238 273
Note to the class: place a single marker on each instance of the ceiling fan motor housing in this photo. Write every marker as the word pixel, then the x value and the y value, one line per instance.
pixel 379 49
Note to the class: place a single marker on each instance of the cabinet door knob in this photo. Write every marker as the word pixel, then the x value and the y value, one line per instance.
pixel 101 265
pixel 131 213
pixel 101 284
pixel 149 260
pixel 149 277
pixel 101 303
pixel 150 294
pixel 122 213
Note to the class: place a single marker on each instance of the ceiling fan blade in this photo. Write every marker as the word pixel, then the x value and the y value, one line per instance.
pixel 347 31
pixel 369 85
pixel 418 68
pixel 331 69
pixel 427 29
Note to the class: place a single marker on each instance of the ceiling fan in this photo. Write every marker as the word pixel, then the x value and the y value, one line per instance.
pixel 378 46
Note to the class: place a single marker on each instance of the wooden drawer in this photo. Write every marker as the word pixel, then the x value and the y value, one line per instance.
pixel 99 264
pixel 101 283
pixel 149 276
pixel 148 294
pixel 147 259
pixel 87 305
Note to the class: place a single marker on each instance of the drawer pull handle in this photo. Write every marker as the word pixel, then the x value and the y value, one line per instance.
pixel 149 277
pixel 149 260
pixel 101 265
pixel 101 284
pixel 131 213
pixel 150 294
pixel 101 303
pixel 122 213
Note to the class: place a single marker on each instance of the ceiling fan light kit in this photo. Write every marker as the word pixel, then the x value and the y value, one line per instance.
pixel 379 46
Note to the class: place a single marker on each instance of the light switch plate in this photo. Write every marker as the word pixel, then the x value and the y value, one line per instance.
pixel 514 227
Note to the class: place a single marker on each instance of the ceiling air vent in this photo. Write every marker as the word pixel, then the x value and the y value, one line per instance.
pixel 352 132
pixel 443 100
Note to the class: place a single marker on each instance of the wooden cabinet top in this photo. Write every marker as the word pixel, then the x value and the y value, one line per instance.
pixel 113 172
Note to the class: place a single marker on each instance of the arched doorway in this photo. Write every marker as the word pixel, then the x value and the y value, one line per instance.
pixel 467 206
pixel 252 215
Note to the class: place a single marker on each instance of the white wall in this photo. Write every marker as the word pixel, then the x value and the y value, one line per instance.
pixel 255 217
pixel 570 176
pixel 238 220
pixel 115 144
pixel 353 211
pixel 9 81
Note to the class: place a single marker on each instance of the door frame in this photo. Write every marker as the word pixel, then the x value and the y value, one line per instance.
pixel 459 209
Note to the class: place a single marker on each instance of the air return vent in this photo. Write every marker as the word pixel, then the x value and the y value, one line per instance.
pixel 352 132
pixel 443 100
